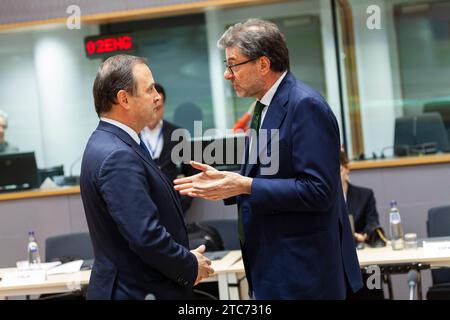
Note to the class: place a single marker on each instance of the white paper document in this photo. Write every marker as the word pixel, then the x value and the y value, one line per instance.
pixel 69 267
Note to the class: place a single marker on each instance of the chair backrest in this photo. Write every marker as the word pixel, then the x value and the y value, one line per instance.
pixel 227 229
pixel 185 115
pixel 443 108
pixel 75 245
pixel 403 136
pixel 430 128
pixel 414 132
pixel 438 225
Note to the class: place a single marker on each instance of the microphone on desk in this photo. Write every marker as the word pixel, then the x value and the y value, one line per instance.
pixel 72 180
pixel 382 155
pixel 413 277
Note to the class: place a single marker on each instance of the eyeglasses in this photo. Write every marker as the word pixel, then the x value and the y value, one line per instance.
pixel 231 66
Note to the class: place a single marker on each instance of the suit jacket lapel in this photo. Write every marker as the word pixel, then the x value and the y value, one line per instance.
pixel 275 115
pixel 125 137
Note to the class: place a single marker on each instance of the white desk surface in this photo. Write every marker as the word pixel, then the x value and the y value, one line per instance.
pixel 378 256
pixel 230 264
pixel 67 282
pixel 386 255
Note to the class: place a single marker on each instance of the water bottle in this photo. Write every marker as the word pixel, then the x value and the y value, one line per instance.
pixel 34 259
pixel 395 227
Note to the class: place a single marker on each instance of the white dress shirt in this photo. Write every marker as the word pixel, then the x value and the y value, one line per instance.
pixel 153 139
pixel 266 100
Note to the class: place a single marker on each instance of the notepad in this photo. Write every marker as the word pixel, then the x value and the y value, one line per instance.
pixel 69 267
pixel 24 265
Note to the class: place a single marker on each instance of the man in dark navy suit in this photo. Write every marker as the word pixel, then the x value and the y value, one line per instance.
pixel 294 230
pixel 134 217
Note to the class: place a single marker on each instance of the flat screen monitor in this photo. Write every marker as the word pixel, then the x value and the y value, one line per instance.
pixel 18 171
pixel 223 153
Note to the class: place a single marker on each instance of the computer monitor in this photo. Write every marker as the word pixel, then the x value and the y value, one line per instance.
pixel 18 171
pixel 52 172
pixel 222 153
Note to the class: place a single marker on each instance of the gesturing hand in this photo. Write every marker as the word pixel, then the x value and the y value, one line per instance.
pixel 212 184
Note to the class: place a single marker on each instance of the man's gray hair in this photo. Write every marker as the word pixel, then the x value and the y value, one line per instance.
pixel 4 116
pixel 256 38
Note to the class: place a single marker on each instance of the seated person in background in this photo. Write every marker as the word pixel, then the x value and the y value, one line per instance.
pixel 157 137
pixel 360 203
pixel 5 147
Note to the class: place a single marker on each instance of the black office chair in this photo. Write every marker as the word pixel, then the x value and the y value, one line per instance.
pixel 420 134
pixel 443 108
pixel 65 248
pixel 438 225
pixel 70 246
pixel 227 229
pixel 185 115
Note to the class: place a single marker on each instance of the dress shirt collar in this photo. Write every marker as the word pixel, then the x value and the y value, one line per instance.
pixel 267 98
pixel 156 128
pixel 124 127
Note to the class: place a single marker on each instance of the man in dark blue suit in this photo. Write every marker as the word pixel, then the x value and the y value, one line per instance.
pixel 295 234
pixel 134 217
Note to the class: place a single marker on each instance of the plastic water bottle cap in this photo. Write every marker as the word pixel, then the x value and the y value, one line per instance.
pixel 393 203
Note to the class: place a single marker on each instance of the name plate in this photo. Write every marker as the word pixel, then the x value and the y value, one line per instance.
pixel 436 249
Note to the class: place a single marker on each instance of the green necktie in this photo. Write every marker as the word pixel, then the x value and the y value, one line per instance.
pixel 256 119
pixel 255 124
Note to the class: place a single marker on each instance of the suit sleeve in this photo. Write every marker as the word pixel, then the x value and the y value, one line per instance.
pixel 371 214
pixel 315 161
pixel 123 184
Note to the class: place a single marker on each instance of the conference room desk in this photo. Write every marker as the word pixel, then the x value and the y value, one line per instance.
pixel 229 271
pixel 74 281
pixel 386 258
pixel 401 261
pixel 54 284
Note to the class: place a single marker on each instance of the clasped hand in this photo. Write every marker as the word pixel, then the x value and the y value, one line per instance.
pixel 204 264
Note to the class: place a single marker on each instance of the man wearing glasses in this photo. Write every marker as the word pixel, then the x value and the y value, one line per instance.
pixel 295 236
pixel 5 147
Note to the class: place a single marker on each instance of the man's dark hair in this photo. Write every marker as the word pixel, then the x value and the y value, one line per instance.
pixel 114 74
pixel 257 38
pixel 160 89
